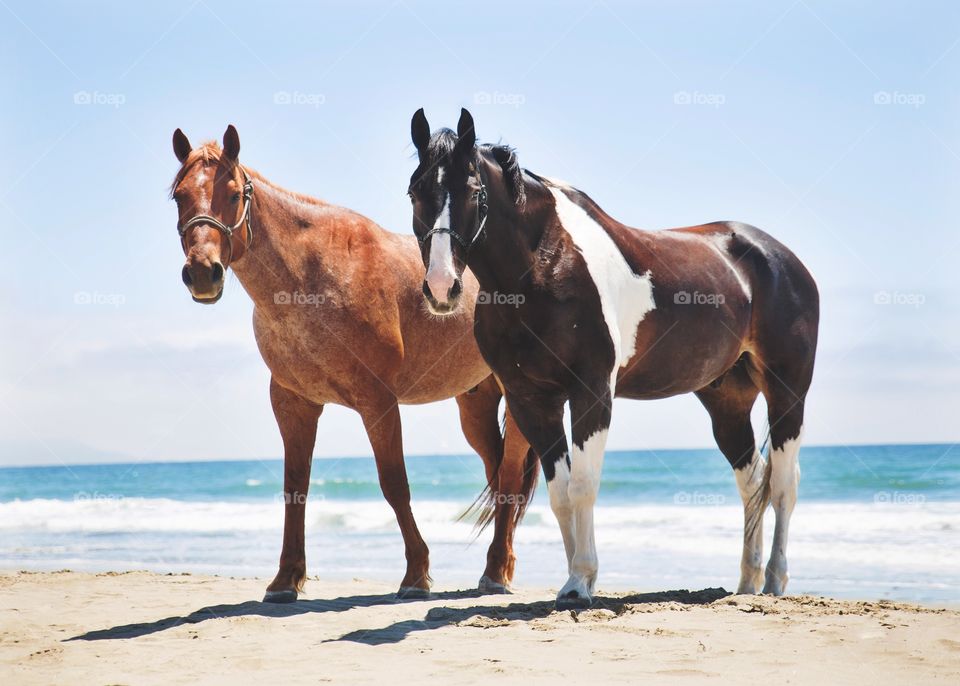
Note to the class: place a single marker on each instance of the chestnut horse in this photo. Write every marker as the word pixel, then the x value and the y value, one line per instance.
pixel 339 318
pixel 577 307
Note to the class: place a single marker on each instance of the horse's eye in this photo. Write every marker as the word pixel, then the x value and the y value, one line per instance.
pixel 235 198
pixel 411 196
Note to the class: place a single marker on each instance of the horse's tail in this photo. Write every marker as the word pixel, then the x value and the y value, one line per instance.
pixel 757 505
pixel 484 508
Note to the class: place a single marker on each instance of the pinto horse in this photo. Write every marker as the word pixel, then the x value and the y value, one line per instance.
pixel 339 318
pixel 577 307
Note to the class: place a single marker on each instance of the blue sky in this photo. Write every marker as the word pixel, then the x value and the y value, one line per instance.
pixel 834 126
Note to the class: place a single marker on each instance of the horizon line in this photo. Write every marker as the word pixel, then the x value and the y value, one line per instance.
pixel 280 458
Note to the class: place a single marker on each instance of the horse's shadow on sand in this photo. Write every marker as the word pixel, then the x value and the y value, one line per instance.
pixel 436 617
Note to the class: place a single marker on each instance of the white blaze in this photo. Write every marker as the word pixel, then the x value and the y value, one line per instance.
pixel 440 271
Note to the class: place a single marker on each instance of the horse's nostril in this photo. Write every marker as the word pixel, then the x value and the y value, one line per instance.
pixel 185 275
pixel 216 273
pixel 426 289
pixel 456 289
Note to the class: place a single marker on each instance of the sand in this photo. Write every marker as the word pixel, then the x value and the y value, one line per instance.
pixel 144 628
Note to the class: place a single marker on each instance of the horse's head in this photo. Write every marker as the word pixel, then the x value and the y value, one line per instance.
pixel 449 206
pixel 213 195
pixel 453 189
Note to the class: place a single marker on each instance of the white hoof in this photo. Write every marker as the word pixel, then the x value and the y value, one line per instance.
pixel 750 581
pixel 776 583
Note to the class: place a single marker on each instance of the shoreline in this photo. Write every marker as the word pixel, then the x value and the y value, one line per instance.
pixel 143 627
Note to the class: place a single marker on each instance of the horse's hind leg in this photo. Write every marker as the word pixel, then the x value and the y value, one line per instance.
pixel 297 419
pixel 381 419
pixel 785 391
pixel 503 459
pixel 729 401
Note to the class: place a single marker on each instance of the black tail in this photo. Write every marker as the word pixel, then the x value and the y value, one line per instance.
pixel 484 508
pixel 758 502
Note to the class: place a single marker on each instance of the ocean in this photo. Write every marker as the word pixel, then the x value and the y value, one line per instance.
pixel 871 521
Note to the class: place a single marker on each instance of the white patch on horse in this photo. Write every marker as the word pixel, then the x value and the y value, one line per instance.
pixel 749 483
pixel 784 480
pixel 557 487
pixel 586 467
pixel 441 274
pixel 625 297
pixel 719 242
pixel 203 204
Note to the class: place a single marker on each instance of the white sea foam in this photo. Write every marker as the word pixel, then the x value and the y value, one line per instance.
pixel 832 547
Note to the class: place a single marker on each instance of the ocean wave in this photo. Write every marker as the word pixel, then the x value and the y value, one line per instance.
pixel 854 523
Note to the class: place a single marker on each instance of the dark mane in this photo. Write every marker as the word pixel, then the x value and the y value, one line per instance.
pixel 506 157
pixel 440 150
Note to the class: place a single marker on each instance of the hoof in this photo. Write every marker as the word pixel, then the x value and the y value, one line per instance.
pixel 286 596
pixel 573 601
pixel 488 586
pixel 412 593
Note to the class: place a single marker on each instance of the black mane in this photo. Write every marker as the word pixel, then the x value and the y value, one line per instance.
pixel 506 157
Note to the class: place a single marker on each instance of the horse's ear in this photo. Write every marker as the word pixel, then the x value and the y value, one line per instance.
pixel 466 136
pixel 231 143
pixel 181 146
pixel 420 130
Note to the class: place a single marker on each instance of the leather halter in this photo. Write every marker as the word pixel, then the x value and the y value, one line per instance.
pixel 227 231
pixel 482 219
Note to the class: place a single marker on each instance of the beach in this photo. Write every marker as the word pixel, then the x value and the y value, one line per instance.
pixel 147 628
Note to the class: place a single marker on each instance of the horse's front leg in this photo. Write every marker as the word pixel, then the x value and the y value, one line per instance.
pixel 569 483
pixel 590 407
pixel 382 422
pixel 297 419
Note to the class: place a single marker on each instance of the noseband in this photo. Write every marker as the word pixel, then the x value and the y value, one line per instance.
pixel 227 231
pixel 481 214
